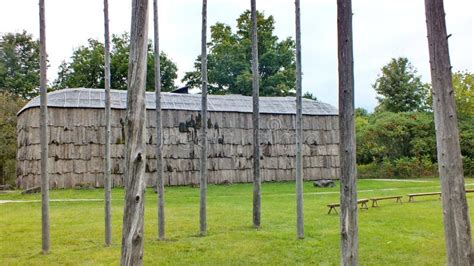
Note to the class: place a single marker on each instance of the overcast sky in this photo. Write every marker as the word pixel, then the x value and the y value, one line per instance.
pixel 382 29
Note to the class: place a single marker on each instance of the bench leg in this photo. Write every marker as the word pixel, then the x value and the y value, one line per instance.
pixel 332 208
pixel 410 199
pixel 374 203
pixel 363 205
pixel 399 200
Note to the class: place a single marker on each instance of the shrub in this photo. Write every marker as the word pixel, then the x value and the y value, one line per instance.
pixel 405 167
pixel 468 164
pixel 391 136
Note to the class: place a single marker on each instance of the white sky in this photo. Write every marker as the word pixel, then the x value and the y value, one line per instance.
pixel 382 29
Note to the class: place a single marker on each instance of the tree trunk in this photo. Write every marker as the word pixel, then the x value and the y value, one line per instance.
pixel 107 171
pixel 299 129
pixel 347 148
pixel 455 209
pixel 135 153
pixel 203 162
pixel 255 118
pixel 44 133
pixel 159 139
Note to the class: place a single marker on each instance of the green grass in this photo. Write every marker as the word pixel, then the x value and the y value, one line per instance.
pixel 393 234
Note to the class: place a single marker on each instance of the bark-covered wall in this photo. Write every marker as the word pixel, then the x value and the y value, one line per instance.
pixel 76 147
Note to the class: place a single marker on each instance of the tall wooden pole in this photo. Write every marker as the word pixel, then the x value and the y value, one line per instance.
pixel 44 133
pixel 455 209
pixel 135 152
pixel 159 139
pixel 299 129
pixel 107 170
pixel 203 162
pixel 347 146
pixel 257 194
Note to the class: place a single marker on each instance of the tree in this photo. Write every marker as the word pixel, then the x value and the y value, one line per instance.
pixel 119 68
pixel 10 104
pixel 44 133
pixel 466 127
pixel 387 136
pixel 203 159
pixel 86 66
pixel 159 139
pixel 299 128
pixel 19 64
pixel 400 88
pixel 361 112
pixel 107 170
pixel 463 85
pixel 135 141
pixel 347 146
pixel 230 56
pixel 455 209
pixel 257 194
pixel 309 95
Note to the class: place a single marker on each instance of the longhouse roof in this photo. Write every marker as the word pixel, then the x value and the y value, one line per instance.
pixel 95 98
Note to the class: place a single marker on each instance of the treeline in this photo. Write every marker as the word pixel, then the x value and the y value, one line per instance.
pixel 229 67
pixel 398 139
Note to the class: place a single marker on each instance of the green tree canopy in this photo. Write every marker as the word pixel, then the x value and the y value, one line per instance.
pixel 463 84
pixel 309 95
pixel 400 88
pixel 390 136
pixel 86 67
pixel 19 64
pixel 229 60
pixel 10 104
pixel 359 111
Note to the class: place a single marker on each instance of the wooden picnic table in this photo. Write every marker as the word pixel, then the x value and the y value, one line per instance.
pixel 375 200
pixel 362 202
pixel 412 196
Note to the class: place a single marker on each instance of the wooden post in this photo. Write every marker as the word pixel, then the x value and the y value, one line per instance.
pixel 203 161
pixel 455 209
pixel 135 152
pixel 347 146
pixel 257 194
pixel 107 168
pixel 44 134
pixel 159 138
pixel 299 129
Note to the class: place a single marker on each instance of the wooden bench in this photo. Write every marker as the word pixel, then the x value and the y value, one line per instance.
pixel 412 196
pixel 375 200
pixel 362 202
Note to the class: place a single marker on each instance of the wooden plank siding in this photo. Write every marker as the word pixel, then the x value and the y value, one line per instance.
pixel 77 139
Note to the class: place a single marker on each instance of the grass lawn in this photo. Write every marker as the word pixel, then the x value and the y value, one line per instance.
pixel 393 234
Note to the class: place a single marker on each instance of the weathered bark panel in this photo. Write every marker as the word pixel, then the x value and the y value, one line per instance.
pixel 229 149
